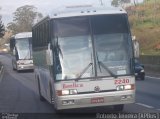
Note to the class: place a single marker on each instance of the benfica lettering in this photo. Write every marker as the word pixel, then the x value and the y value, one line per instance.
pixel 72 85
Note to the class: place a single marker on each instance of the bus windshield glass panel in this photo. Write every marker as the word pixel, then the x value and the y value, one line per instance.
pixel 23 47
pixel 112 47
pixel 74 47
pixel 74 57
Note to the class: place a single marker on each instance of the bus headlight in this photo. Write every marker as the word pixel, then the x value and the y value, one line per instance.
pixel 142 70
pixel 73 91
pixel 66 92
pixel 125 87
pixel 18 62
pixel 121 87
pixel 31 62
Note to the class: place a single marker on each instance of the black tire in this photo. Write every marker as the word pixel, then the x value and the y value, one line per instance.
pixel 13 66
pixel 51 93
pixel 57 111
pixel 118 108
pixel 18 71
pixel 143 78
pixel 39 91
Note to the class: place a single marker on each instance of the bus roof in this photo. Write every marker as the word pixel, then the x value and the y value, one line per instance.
pixel 23 35
pixel 81 10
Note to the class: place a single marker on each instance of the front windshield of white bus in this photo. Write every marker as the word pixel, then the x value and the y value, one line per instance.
pixel 92 46
pixel 24 48
pixel 74 49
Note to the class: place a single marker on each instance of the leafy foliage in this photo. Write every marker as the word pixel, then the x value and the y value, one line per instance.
pixel 116 3
pixel 2 28
pixel 23 19
pixel 145 24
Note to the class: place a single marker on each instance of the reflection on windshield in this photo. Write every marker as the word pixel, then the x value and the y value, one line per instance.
pixel 76 56
pixel 24 48
pixel 112 52
pixel 91 46
pixel 22 44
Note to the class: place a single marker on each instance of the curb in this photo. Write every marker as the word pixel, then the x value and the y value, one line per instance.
pixel 1 73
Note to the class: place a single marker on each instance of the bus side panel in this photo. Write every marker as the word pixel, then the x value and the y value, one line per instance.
pixel 41 70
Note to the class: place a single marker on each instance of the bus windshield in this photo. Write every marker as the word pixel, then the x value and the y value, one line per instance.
pixel 82 41
pixel 111 37
pixel 74 48
pixel 23 47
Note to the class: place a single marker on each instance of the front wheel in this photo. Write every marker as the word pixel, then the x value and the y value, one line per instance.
pixel 118 108
pixel 143 78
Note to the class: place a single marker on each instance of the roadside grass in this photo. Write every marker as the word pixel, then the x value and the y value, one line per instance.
pixel 145 25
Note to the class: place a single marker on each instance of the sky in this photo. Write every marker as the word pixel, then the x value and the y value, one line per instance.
pixel 43 6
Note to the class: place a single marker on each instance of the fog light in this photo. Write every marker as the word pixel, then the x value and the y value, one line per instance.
pixel 64 102
pixel 123 97
pixel 67 102
pixel 126 97
pixel 71 102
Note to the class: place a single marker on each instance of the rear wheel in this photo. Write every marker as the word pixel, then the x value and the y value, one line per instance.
pixel 143 78
pixel 32 70
pixel 57 111
pixel 18 71
pixel 118 108
pixel 39 91
pixel 13 66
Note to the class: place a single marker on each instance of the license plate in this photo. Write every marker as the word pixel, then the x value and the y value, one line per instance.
pixel 97 100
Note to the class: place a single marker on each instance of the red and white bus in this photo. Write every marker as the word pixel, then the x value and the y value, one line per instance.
pixel 84 58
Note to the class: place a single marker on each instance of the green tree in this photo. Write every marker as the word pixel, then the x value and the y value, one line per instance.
pixel 119 2
pixel 24 18
pixel 115 3
pixel 2 28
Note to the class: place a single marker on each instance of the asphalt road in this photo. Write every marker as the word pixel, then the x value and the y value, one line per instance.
pixel 19 95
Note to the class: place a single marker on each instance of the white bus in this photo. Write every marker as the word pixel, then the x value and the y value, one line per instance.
pixel 21 48
pixel 84 58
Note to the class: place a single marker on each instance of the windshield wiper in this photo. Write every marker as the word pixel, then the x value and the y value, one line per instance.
pixel 98 62
pixel 106 68
pixel 59 49
pixel 84 70
pixel 28 55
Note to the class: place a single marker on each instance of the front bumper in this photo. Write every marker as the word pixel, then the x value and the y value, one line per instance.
pixel 84 100
pixel 25 67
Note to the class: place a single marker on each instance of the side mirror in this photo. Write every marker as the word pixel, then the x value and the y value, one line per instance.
pixel 49 56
